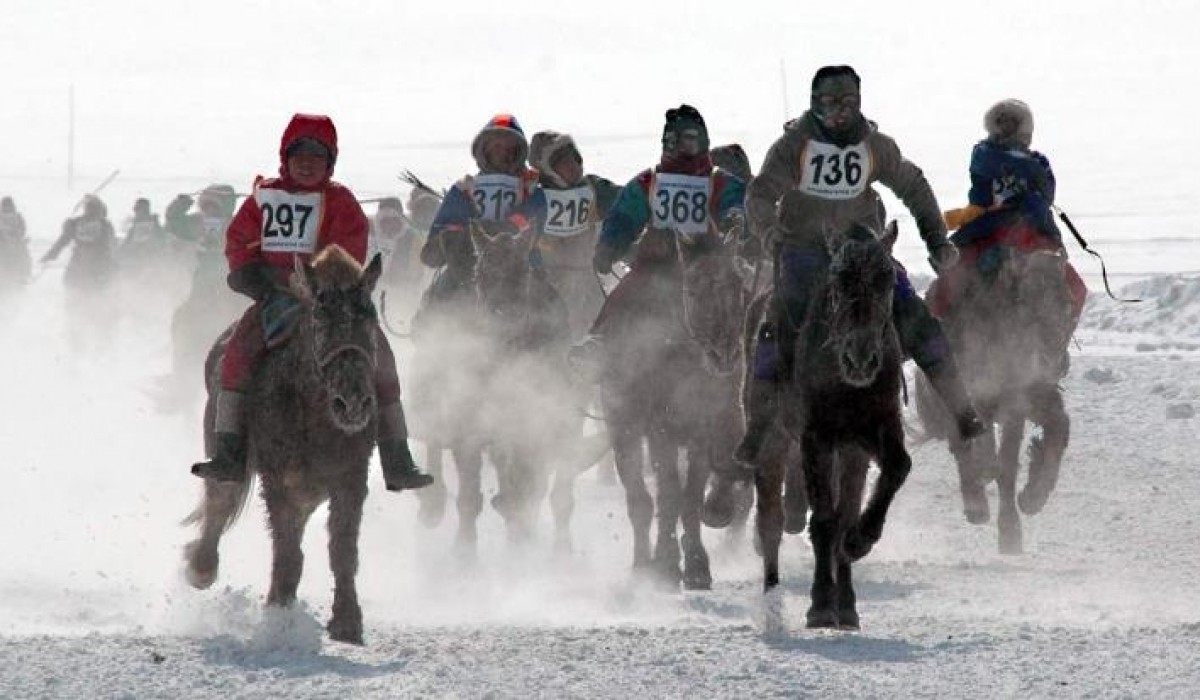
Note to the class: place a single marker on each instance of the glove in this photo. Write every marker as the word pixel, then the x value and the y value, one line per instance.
pixel 278 314
pixel 957 218
pixel 602 259
pixel 943 256
pixel 255 280
pixel 733 225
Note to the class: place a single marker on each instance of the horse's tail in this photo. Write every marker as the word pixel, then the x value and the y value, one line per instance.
pixel 229 511
pixel 935 420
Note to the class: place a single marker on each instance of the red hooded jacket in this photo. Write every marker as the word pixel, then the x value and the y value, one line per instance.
pixel 282 219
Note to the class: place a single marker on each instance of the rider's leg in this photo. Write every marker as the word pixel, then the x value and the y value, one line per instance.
pixel 799 271
pixel 922 338
pixel 243 351
pixel 399 470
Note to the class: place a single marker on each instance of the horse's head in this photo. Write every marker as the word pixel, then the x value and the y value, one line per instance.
pixel 502 270
pixel 859 293
pixel 714 300
pixel 336 292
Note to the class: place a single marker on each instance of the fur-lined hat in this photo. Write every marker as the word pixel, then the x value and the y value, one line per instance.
pixel 1009 123
pixel 500 124
pixel 543 149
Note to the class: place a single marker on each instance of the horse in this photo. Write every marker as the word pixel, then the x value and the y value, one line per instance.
pixel 841 404
pixel 654 386
pixel 1009 331
pixel 311 429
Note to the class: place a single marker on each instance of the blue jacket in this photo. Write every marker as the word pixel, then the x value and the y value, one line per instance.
pixel 631 212
pixel 1018 180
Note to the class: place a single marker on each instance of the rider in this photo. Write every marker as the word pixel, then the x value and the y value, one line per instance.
pixel 684 195
pixel 1012 192
pixel 144 234
pixel 815 183
pixel 570 206
pixel 94 239
pixel 14 247
pixel 260 262
pixel 497 197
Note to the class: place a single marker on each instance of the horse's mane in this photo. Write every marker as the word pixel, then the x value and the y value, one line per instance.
pixel 337 269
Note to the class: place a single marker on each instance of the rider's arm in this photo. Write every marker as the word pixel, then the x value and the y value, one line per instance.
pixel 777 176
pixel 452 218
pixel 627 218
pixel 64 239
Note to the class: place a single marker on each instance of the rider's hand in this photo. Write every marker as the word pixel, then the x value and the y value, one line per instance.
pixel 179 206
pixel 943 256
pixel 278 313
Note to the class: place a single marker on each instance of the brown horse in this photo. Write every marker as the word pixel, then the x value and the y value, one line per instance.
pixel 654 387
pixel 311 412
pixel 1009 331
pixel 842 405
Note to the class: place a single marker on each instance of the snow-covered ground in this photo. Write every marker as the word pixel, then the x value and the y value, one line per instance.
pixel 95 481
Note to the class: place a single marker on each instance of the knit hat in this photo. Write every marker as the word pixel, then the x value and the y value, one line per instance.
pixel 505 124
pixel 681 119
pixel 1009 123
pixel 544 149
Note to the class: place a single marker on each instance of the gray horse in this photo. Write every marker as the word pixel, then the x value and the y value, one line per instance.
pixel 311 430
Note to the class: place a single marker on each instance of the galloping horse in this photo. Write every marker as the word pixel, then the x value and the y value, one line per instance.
pixel 531 418
pixel 311 412
pixel 842 405
pixel 654 387
pixel 1009 331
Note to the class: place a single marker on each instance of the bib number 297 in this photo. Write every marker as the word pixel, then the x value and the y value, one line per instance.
pixel 284 219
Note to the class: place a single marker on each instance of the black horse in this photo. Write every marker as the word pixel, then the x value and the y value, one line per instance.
pixel 842 404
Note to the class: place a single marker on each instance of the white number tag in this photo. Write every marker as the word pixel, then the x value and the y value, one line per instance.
pixel 569 212
pixel 830 172
pixel 291 221
pixel 680 203
pixel 495 195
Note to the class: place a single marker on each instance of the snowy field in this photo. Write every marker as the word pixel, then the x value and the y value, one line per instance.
pixel 1103 603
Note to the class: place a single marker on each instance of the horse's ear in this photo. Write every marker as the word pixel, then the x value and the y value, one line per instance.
pixel 891 232
pixel 479 237
pixel 371 274
pixel 303 279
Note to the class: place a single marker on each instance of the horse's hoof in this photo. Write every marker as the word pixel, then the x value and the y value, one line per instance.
pixel 794 521
pixel 848 619
pixel 821 619
pixel 1031 501
pixel 719 505
pixel 857 544
pixel 347 633
pixel 202 566
pixel 1010 540
pixel 975 505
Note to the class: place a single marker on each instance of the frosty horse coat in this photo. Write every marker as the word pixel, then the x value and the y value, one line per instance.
pixel 1009 331
pixel 654 387
pixel 311 430
pixel 842 405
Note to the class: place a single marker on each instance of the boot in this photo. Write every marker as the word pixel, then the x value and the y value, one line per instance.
pixel 762 405
pixel 399 470
pixel 228 463
pixel 948 384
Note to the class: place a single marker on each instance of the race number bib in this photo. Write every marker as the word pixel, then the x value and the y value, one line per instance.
pixel 89 231
pixel 141 231
pixel 680 203
pixel 830 172
pixel 495 195
pixel 569 212
pixel 291 221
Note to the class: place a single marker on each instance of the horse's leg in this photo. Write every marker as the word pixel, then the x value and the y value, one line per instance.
pixel 664 456
pixel 345 517
pixel 286 519
pixel 1008 519
pixel 972 458
pixel 562 505
pixel 853 464
pixel 433 497
pixel 468 462
pixel 221 501
pixel 817 458
pixel 1045 452
pixel 768 483
pixel 795 495
pixel 697 575
pixel 894 465
pixel 627 455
